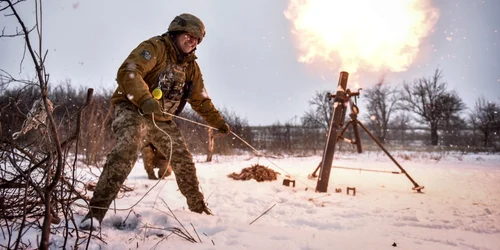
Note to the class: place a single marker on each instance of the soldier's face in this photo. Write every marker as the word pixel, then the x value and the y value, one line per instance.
pixel 186 42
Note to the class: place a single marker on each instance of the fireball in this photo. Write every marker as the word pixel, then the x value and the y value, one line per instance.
pixel 360 34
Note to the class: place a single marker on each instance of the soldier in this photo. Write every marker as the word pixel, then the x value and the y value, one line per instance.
pixel 153 159
pixel 155 81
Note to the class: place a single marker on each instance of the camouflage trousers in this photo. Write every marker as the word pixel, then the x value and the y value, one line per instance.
pixel 133 131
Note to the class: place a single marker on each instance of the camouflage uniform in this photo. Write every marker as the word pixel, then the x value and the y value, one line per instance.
pixel 157 63
pixel 153 159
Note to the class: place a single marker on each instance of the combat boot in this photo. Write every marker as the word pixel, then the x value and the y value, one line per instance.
pixel 148 158
pixel 165 170
pixel 207 210
pixel 200 207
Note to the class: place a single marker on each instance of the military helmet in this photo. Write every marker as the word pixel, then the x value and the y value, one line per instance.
pixel 188 23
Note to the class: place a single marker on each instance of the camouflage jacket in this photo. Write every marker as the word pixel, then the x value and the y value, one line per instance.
pixel 156 63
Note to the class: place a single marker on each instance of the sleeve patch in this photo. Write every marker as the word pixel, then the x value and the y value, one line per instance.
pixel 146 55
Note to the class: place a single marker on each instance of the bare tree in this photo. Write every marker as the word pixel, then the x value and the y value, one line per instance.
pixel 381 102
pixel 497 125
pixel 485 118
pixel 321 111
pixel 452 124
pixel 38 59
pixel 430 100
pixel 34 186
pixel 401 123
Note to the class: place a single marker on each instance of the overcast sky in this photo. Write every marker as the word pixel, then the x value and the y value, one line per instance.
pixel 248 58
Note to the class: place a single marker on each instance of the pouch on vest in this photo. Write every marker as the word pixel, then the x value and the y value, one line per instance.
pixel 186 94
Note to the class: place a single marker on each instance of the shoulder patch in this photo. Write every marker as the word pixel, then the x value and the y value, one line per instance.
pixel 146 54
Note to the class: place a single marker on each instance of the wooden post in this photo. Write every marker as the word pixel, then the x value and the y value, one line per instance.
pixel 211 143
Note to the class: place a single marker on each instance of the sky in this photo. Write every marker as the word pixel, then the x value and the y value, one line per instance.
pixel 459 208
pixel 249 57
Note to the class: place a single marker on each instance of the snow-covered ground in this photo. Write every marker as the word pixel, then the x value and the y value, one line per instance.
pixel 458 209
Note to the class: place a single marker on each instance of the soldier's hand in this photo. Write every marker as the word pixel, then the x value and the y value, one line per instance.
pixel 150 106
pixel 224 129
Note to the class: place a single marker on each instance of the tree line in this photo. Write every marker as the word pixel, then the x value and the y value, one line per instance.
pixel 422 112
